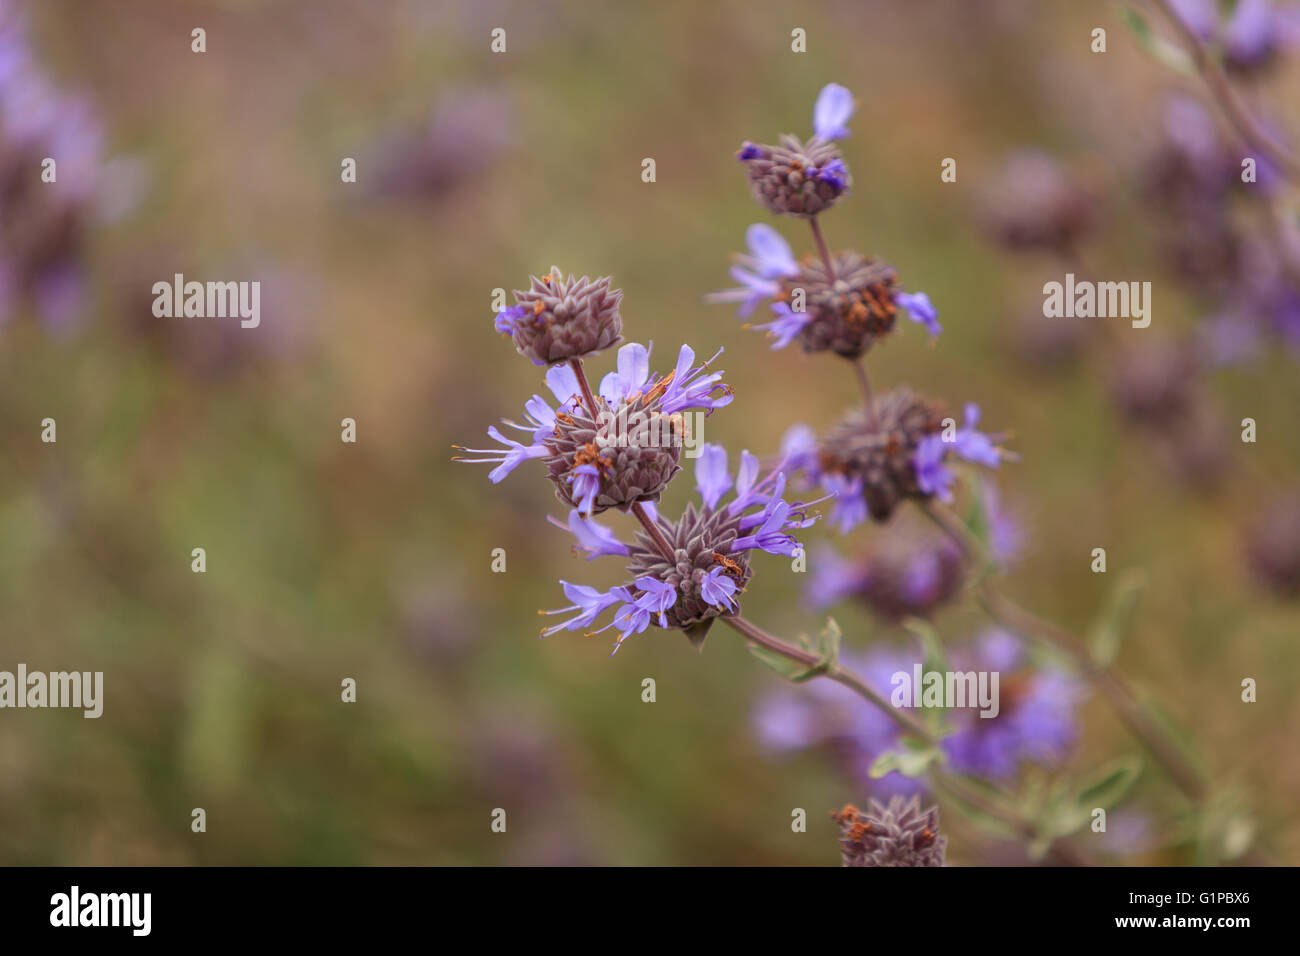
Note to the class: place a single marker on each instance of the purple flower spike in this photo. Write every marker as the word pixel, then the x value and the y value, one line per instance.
pixel 921 311
pixel 831 112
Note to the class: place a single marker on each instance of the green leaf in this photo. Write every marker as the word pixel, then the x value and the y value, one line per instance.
pixel 1156 46
pixel 1112 626
pixel 912 759
pixel 1107 785
pixel 829 652
pixel 782 665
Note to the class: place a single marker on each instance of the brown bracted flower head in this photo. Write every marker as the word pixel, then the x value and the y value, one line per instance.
pixel 629 455
pixel 796 178
pixel 560 318
pixel 847 315
pixel 899 834
pixel 701 540
pixel 877 449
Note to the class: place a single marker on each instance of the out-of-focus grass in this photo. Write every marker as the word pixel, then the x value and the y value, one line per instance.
pixel 372 561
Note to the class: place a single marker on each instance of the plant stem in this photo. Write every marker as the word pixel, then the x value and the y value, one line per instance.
pixel 656 535
pixel 864 383
pixel 1060 850
pixel 1249 128
pixel 576 365
pixel 1110 684
pixel 822 249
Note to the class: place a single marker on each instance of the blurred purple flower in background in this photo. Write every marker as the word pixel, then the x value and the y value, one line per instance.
pixel 1037 720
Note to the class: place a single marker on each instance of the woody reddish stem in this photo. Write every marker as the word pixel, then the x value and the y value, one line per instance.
pixel 590 399
pixel 822 249
pixel 864 383
pixel 656 535
pixel 638 509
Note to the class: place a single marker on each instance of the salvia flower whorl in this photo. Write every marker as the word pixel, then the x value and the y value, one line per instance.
pixel 845 313
pixel 871 460
pixel 897 834
pixel 558 318
pixel 900 576
pixel 797 178
pixel 710 546
pixel 626 449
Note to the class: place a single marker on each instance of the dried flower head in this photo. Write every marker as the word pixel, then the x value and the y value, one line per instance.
pixel 897 834
pixel 558 318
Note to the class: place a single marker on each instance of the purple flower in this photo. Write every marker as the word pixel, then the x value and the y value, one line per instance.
pixel 633 371
pixel 850 508
pixel 712 479
pixel 585 480
pixel 920 310
pixel 684 388
pixel 690 388
pixel 710 563
pixel 586 600
pixel 974 446
pixel 507 318
pixel 507 459
pixel 785 326
pixel 799 448
pixel 831 112
pixel 594 539
pixel 1036 724
pixel 717 589
pixel 769 260
pixel 748 151
pixel 834 172
pixel 932 476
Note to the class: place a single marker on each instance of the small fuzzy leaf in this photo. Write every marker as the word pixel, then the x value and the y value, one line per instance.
pixel 1112 626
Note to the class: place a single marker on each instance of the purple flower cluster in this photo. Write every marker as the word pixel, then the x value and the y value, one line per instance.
pixel 709 565
pixel 618 447
pixel 869 463
pixel 1037 721
pixel 769 272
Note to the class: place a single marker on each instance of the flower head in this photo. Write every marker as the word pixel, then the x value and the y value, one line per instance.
pixel 899 833
pixel 628 448
pixel 711 545
pixel 801 179
pixel 558 318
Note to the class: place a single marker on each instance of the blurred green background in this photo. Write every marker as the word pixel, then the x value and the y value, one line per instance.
pixel 372 561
